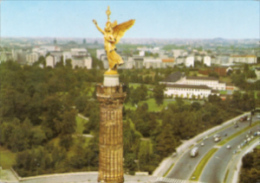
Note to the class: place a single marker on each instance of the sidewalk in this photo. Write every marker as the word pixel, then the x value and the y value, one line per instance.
pixel 79 177
pixel 236 162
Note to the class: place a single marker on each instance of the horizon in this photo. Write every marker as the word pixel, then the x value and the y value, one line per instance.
pixel 158 20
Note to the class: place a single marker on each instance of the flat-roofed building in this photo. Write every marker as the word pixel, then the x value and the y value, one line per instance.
pixel 150 62
pixel 189 61
pixel 168 62
pixel 188 91
pixel 207 61
pixel 247 59
pixel 32 57
pixel 53 59
pixel 180 78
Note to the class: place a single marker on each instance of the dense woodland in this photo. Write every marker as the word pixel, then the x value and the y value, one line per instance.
pixel 38 108
pixel 250 167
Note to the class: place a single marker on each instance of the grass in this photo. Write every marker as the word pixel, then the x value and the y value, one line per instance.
pixel 152 106
pixel 197 172
pixel 7 158
pixel 223 92
pixel 226 176
pixel 236 134
pixel 80 122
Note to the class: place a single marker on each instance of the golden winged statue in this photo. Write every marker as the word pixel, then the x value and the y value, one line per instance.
pixel 113 32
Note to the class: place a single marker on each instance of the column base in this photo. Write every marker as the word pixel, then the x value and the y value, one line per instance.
pixel 111 80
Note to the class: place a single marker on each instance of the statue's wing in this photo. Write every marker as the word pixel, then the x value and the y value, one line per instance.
pixel 119 30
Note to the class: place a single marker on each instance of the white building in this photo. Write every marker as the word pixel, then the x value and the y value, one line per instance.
pixel 66 56
pixel 150 62
pixel 177 53
pixel 181 79
pixel 189 61
pixel 168 62
pixel 43 50
pixel 207 81
pixel 32 57
pixel 180 60
pixel 207 61
pixel 142 53
pixel 100 52
pixel 247 59
pixel 53 59
pixel 81 61
pixel 188 91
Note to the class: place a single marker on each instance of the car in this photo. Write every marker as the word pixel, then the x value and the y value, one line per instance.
pixel 236 126
pixel 194 152
pixel 228 146
pixel 202 144
pixel 217 139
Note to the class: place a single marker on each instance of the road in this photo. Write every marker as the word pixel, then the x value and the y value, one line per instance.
pixel 214 171
pixel 185 166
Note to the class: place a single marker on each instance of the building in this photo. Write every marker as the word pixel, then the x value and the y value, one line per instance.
pixel 43 50
pixel 32 58
pixel 100 53
pixel 138 62
pixel 188 91
pixel 81 61
pixel 150 62
pixel 168 62
pixel 189 61
pixel 79 58
pixel 177 53
pixel 66 56
pixel 208 81
pixel 207 61
pixel 53 59
pixel 180 78
pixel 246 59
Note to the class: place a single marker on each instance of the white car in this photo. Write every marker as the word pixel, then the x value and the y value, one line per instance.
pixel 202 144
pixel 228 146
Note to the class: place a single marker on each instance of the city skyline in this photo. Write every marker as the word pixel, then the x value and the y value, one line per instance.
pixel 154 19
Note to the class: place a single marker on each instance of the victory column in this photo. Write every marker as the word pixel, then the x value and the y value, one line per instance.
pixel 111 96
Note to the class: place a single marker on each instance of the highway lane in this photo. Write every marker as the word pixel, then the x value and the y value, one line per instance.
pixel 185 166
pixel 214 171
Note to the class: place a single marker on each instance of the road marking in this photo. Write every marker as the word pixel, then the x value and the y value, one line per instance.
pixel 166 180
pixel 217 146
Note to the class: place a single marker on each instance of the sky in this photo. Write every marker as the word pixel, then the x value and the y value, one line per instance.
pixel 173 19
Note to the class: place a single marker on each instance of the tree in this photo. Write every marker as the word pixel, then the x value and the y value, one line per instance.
pixel 158 93
pixel 129 163
pixel 165 142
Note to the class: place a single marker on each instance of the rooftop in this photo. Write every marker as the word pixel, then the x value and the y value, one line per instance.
pixel 201 78
pixel 189 86
pixel 174 77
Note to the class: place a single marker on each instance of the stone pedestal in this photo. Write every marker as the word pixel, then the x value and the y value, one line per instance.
pixel 111 97
pixel 111 80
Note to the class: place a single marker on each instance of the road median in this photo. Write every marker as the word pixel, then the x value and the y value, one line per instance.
pixel 197 172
